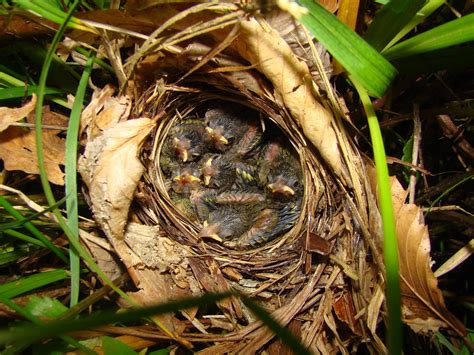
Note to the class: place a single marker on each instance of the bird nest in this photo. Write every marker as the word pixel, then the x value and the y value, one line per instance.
pixel 315 275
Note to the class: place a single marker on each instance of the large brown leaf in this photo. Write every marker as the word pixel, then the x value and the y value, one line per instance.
pixel 10 115
pixel 423 306
pixel 18 145
pixel 111 168
pixel 293 83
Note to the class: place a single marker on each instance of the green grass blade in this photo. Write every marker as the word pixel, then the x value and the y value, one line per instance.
pixel 362 61
pixel 97 61
pixel 31 283
pixel 390 20
pixel 17 348
pixel 55 328
pixel 32 229
pixel 71 176
pixel 20 92
pixel 22 220
pixel 62 75
pixel 45 9
pixel 9 77
pixel 73 239
pixel 419 17
pixel 449 34
pixel 8 257
pixel 392 278
pixel 24 237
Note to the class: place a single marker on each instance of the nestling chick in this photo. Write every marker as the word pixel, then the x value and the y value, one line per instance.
pixel 185 141
pixel 185 205
pixel 249 142
pixel 229 127
pixel 185 179
pixel 285 185
pixel 217 171
pixel 280 172
pixel 267 225
pixel 226 222
pixel 246 173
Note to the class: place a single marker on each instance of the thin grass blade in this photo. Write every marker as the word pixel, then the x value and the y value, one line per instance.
pixel 30 227
pixel 71 177
pixel 392 292
pixel 20 92
pixel 47 10
pixel 56 328
pixel 362 61
pixel 21 345
pixel 418 18
pixel 48 192
pixel 390 20
pixel 31 283
pixel 449 34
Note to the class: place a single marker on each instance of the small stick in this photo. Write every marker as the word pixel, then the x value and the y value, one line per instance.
pixel 416 149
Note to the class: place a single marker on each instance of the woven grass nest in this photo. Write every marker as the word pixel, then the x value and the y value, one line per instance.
pixel 322 277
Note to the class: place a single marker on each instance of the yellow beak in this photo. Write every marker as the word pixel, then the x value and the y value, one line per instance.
pixel 286 190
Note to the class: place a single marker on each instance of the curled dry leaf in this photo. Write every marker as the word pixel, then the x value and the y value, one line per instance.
pixel 104 111
pixel 11 115
pixel 111 169
pixel 277 62
pixel 18 145
pixel 423 306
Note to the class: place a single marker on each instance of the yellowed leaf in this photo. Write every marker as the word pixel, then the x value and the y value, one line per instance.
pixel 11 115
pixel 264 47
pixel 111 169
pixel 18 152
pixel 423 306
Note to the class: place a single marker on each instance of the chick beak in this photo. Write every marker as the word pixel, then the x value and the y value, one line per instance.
pixel 210 231
pixel 207 171
pixel 184 155
pixel 181 148
pixel 222 140
pixel 217 136
pixel 281 189
pixel 186 179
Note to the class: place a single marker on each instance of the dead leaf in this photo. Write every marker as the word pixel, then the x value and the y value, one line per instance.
pixel 11 115
pixel 423 306
pixel 18 152
pixel 111 169
pixel 263 46
pixel 104 111
pixel 345 312
pixel 103 254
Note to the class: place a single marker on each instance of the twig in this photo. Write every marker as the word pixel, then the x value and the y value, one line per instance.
pixel 415 151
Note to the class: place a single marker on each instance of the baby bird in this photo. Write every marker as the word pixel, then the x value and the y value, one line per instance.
pixel 185 141
pixel 280 173
pixel 184 205
pixel 284 184
pixel 226 222
pixel 217 171
pixel 268 224
pixel 185 179
pixel 228 127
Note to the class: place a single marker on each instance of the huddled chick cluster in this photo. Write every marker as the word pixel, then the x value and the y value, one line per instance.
pixel 243 186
